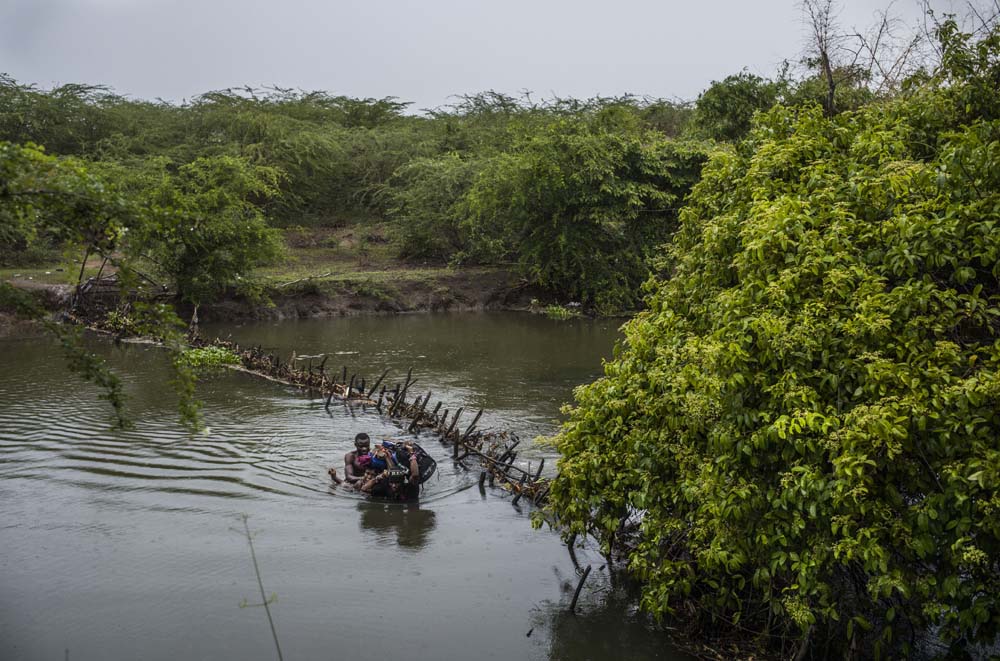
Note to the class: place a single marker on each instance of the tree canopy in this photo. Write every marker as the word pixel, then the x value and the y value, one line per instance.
pixel 581 205
pixel 799 437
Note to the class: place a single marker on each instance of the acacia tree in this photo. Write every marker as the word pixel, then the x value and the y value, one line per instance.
pixel 425 201
pixel 580 205
pixel 203 228
pixel 799 439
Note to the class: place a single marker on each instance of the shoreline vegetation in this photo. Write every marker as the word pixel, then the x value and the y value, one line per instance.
pixel 316 282
pixel 794 450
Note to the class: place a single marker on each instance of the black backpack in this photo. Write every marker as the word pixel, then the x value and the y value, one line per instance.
pixel 425 463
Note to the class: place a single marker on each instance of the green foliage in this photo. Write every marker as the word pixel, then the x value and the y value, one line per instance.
pixel 559 313
pixel 84 363
pixel 209 358
pixel 307 158
pixel 43 195
pixel 800 436
pixel 66 119
pixel 581 204
pixel 160 321
pixel 321 144
pixel 725 109
pixel 201 227
pixel 667 117
pixel 426 196
pixel 851 92
pixel 44 200
pixel 334 152
pixel 121 322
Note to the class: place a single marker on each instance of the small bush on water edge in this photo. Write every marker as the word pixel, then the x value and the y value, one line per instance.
pixel 799 437
pixel 121 322
pixel 207 358
pixel 560 313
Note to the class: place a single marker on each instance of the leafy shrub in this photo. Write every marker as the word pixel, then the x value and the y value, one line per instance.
pixel 801 436
pixel 425 202
pixel 200 225
pixel 559 312
pixel 120 322
pixel 208 358
pixel 725 109
pixel 581 204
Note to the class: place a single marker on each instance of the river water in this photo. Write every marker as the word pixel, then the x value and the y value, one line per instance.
pixel 131 544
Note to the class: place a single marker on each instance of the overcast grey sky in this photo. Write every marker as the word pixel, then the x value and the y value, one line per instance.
pixel 418 51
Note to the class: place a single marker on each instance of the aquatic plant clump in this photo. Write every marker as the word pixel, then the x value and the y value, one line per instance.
pixel 799 441
pixel 560 313
pixel 210 357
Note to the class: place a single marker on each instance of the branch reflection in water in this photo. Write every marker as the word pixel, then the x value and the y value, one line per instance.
pixel 607 623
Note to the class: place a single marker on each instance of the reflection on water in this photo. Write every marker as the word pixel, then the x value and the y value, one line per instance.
pixel 605 632
pixel 120 544
pixel 406 525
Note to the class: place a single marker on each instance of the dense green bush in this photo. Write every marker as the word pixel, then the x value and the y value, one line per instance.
pixel 800 439
pixel 46 201
pixel 200 227
pixel 725 109
pixel 426 198
pixel 581 204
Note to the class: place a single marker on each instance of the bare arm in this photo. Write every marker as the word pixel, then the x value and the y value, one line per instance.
pixel 383 453
pixel 370 484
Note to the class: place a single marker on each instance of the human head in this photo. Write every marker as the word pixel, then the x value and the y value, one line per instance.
pixel 362 443
pixel 396 478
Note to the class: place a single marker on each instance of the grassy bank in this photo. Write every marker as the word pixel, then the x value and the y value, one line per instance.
pixel 326 272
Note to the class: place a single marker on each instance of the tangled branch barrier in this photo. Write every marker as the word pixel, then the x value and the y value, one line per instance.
pixel 495 450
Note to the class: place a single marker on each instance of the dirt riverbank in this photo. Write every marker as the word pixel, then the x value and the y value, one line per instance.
pixel 383 293
pixel 325 272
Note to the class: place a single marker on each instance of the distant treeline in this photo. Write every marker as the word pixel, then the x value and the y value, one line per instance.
pixel 575 195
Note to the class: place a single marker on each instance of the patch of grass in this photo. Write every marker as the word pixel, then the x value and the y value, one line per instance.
pixel 349 253
pixel 55 272
pixel 49 274
pixel 380 291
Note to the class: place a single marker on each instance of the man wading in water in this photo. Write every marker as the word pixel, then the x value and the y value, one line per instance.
pixel 356 462
pixel 378 474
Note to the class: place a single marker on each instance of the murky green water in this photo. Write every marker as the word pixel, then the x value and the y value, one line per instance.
pixel 129 545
